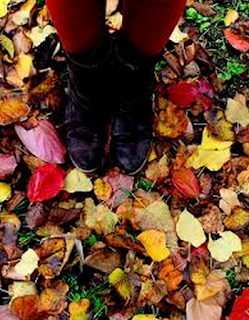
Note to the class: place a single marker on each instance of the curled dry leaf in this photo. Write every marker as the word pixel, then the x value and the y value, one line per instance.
pixel 13 110
pixel 152 292
pixel 43 141
pixel 154 242
pixel 185 182
pixel 189 229
pixel 158 170
pixel 46 182
pixel 8 165
pixel 218 125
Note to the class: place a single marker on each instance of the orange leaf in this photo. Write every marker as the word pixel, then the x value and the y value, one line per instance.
pixel 26 307
pixel 185 182
pixel 237 41
pixel 12 110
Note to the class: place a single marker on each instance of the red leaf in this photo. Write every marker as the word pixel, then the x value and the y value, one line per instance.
pixel 237 41
pixel 240 309
pixel 200 251
pixel 8 165
pixel 43 141
pixel 185 182
pixel 183 94
pixel 46 182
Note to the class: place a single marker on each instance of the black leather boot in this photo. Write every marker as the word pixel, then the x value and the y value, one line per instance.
pixel 87 112
pixel 133 114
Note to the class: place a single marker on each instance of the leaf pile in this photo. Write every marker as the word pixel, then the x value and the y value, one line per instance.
pixel 171 243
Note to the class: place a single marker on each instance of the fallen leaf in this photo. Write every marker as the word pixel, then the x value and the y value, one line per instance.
pixel 237 111
pixel 144 317
pixel 186 182
pixel 7 44
pixel 120 280
pixel 39 34
pixel 240 307
pixel 237 220
pixel 5 312
pixel 46 182
pixel 4 7
pixel 172 276
pixel 237 41
pixel 177 35
pixel 229 200
pixel 111 6
pixel 28 263
pixel 102 190
pixel 23 15
pixel 157 216
pixel 158 170
pixel 215 282
pixel 189 229
pixel 223 248
pixel 99 218
pixel 22 288
pixel 197 310
pixel 121 186
pixel 26 307
pixel 104 260
pixel 171 122
pixel 212 153
pixel 231 16
pixel 43 141
pixel 219 126
pixel 183 94
pixel 79 310
pixel 12 110
pixel 8 165
pixel 152 292
pixel 77 181
pixel 154 242
pixel 5 192
pixel 212 220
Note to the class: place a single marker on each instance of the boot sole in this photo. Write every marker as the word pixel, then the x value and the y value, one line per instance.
pixel 83 170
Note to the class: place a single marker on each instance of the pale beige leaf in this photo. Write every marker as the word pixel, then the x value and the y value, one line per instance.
pixel 177 35
pixel 199 310
pixel 28 263
pixel 189 229
pixel 39 34
pixel 237 111
pixel 229 200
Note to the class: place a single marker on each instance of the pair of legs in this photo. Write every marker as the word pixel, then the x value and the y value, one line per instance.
pixel 147 25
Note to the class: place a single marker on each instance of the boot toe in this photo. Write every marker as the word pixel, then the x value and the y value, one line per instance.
pixel 131 157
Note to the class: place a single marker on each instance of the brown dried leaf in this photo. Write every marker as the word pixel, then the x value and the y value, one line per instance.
pixel 13 110
pixel 104 260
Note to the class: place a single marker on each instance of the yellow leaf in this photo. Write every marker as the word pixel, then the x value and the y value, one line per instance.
pixel 119 279
pixel 229 200
pixel 22 16
pixel 223 248
pixel 189 229
pixel 8 45
pixel 212 153
pixel 5 191
pixel 4 7
pixel 79 310
pixel 12 110
pixel 154 242
pixel 102 189
pixel 22 288
pixel 177 35
pixel 38 34
pixel 231 16
pixel 238 220
pixel 77 181
pixel 237 111
pixel 28 263
pixel 144 317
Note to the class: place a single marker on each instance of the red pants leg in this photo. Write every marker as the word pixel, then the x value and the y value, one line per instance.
pixel 79 22
pixel 148 24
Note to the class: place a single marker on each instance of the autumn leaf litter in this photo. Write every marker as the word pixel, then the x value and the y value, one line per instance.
pixel 171 243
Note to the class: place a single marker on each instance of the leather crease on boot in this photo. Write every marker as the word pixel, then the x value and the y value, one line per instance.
pixel 132 123
pixel 88 109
